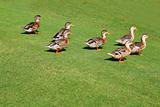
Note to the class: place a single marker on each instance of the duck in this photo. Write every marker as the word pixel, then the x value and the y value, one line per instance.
pixel 121 53
pixel 137 47
pixel 59 44
pixel 128 37
pixel 61 36
pixel 97 42
pixel 33 26
pixel 67 26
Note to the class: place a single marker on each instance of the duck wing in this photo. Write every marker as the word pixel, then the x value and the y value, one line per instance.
pixel 135 47
pixel 139 44
pixel 136 44
pixel 59 33
pixel 93 40
pixel 30 25
pixel 126 37
pixel 52 43
pixel 119 51
pixel 58 44
pixel 90 41
pixel 58 37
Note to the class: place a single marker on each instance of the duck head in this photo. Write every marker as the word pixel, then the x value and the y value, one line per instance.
pixel 144 37
pixel 133 29
pixel 37 18
pixel 103 33
pixel 68 25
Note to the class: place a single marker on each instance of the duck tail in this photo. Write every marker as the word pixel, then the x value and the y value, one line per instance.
pixel 118 41
pixel 50 47
pixel 47 46
pixel 110 54
pixel 86 42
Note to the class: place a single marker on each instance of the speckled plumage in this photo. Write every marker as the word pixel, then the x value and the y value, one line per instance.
pixel 128 37
pixel 61 43
pixel 58 44
pixel 62 34
pixel 59 35
pixel 97 41
pixel 137 47
pixel 121 53
pixel 33 26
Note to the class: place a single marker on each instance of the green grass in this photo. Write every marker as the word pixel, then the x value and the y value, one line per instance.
pixel 32 77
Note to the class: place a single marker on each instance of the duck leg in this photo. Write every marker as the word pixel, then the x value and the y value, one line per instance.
pixel 140 53
pixel 68 42
pixel 35 32
pixel 57 51
pixel 97 49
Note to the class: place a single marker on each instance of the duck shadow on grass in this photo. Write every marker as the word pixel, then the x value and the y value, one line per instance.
pixel 118 44
pixel 136 54
pixel 35 32
pixel 112 59
pixel 50 50
pixel 88 48
pixel 29 33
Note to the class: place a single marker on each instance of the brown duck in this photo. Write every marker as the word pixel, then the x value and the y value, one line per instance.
pixel 96 42
pixel 137 47
pixel 121 53
pixel 67 26
pixel 59 44
pixel 128 37
pixel 33 26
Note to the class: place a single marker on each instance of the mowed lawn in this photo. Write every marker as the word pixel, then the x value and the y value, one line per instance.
pixel 30 76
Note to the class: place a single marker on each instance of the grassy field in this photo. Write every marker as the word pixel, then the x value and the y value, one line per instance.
pixel 30 76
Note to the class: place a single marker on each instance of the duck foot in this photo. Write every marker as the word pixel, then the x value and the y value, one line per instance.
pixel 140 54
pixel 121 60
pixel 98 49
pixel 58 52
pixel 36 32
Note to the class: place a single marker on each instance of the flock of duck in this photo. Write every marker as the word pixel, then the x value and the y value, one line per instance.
pixel 61 39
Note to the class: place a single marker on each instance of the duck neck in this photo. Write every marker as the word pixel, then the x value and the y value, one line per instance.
pixel 128 47
pixel 68 27
pixel 143 40
pixel 104 38
pixel 132 33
